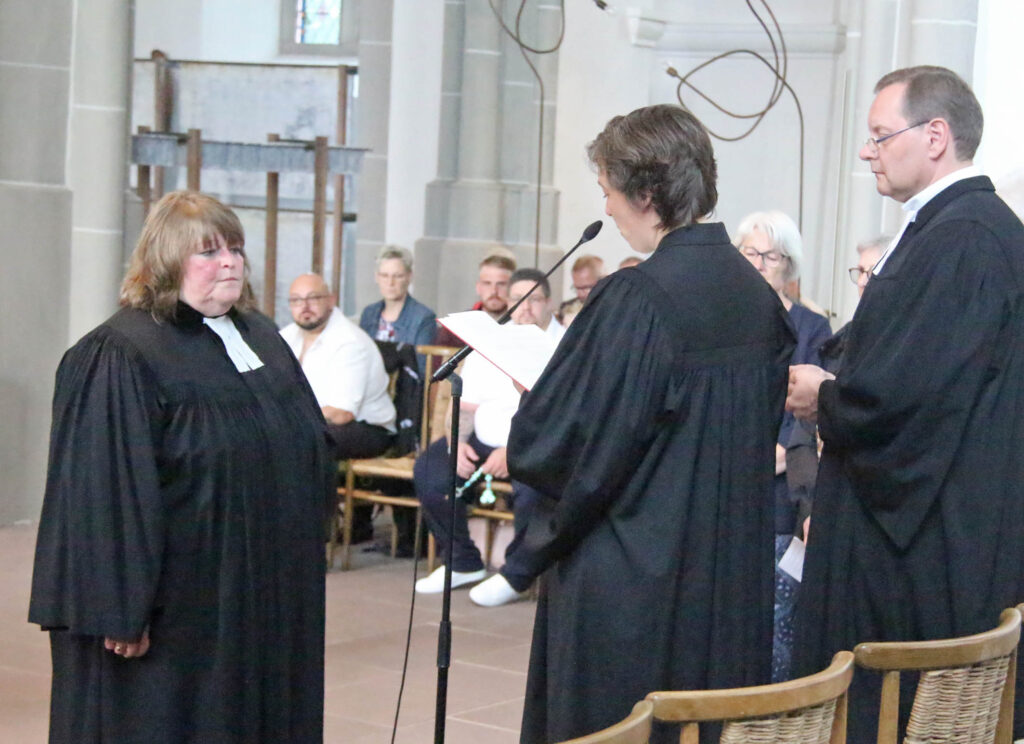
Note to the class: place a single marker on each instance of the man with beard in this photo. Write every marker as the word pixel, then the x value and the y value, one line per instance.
pixel 491 288
pixel 345 370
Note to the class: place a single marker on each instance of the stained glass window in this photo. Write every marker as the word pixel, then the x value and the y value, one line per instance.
pixel 317 21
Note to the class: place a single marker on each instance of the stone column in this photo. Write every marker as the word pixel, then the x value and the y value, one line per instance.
pixel 485 194
pixel 371 130
pixel 98 158
pixel 890 35
pixel 35 210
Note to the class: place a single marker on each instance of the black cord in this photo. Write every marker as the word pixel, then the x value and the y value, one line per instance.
pixel 779 66
pixel 416 543
pixel 516 36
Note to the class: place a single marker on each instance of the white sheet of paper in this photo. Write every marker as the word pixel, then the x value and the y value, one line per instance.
pixel 520 351
pixel 792 561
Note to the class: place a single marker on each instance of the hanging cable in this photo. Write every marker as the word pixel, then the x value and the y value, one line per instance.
pixel 516 35
pixel 779 67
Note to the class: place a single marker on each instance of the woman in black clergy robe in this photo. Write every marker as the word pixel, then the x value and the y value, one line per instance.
pixel 179 566
pixel 652 431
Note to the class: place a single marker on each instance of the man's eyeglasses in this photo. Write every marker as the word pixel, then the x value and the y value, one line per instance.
pixel 307 300
pixel 770 258
pixel 857 272
pixel 873 142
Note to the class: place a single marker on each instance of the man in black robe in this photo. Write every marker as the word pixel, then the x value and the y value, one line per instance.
pixel 918 522
pixel 652 433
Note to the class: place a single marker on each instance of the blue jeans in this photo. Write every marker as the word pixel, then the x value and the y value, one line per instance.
pixel 430 479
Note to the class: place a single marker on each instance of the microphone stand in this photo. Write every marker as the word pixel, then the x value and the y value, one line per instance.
pixel 444 632
pixel 447 372
pixel 448 367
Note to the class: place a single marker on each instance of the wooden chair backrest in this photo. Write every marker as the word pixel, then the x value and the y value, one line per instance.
pixel 633 729
pixel 432 353
pixel 809 710
pixel 966 687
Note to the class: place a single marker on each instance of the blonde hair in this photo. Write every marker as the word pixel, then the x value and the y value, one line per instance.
pixel 176 227
pixel 395 251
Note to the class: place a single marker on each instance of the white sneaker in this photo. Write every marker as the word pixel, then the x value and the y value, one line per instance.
pixel 494 592
pixel 434 584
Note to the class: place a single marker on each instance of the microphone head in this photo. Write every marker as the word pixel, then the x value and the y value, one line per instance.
pixel 592 230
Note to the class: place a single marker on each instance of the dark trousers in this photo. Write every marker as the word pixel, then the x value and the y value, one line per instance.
pixel 431 480
pixel 353 440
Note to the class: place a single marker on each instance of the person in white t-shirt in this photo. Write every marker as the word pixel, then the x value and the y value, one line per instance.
pixel 489 400
pixel 345 370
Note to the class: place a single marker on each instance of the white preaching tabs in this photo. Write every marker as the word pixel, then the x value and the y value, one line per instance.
pixel 241 353
pixel 520 351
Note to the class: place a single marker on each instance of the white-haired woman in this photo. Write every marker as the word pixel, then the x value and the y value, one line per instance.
pixel 771 242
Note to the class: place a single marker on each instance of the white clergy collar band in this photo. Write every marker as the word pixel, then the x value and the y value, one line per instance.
pixel 243 357
pixel 913 205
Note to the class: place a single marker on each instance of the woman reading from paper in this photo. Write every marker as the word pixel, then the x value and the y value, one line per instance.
pixel 652 430
pixel 180 562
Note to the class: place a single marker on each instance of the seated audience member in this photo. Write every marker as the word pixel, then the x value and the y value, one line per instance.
pixel 868 254
pixel 771 242
pixel 630 261
pixel 398 317
pixel 587 271
pixel 491 288
pixel 489 400
pixel 346 372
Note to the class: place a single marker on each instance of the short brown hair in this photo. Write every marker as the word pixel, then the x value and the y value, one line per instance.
pixel 594 263
pixel 664 154
pixel 535 276
pixel 175 228
pixel 937 93
pixel 499 262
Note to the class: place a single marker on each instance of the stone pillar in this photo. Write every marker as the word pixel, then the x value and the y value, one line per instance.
pixel 485 194
pixel 98 158
pixel 889 35
pixel 481 94
pixel 35 210
pixel 371 130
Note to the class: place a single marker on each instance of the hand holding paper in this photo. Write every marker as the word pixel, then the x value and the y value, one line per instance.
pixel 520 351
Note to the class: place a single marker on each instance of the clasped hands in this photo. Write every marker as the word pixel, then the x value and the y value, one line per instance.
pixel 468 459
pixel 802 396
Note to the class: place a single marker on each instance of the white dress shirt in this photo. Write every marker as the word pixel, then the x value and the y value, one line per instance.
pixel 345 370
pixel 494 394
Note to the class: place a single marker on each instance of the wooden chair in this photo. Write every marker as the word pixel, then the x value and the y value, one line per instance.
pixel 965 691
pixel 634 729
pixel 397 468
pixel 809 710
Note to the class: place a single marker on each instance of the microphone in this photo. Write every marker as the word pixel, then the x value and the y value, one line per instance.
pixel 448 367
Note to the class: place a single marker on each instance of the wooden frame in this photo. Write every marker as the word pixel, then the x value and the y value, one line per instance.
pixel 934 658
pixel 634 729
pixel 150 175
pixel 399 468
pixel 739 704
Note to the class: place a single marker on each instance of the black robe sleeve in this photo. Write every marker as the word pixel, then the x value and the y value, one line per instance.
pixel 581 433
pixel 901 404
pixel 101 533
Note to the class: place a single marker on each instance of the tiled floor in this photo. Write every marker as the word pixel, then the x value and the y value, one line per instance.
pixel 367 618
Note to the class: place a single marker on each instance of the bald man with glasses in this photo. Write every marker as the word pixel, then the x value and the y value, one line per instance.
pixel 345 369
